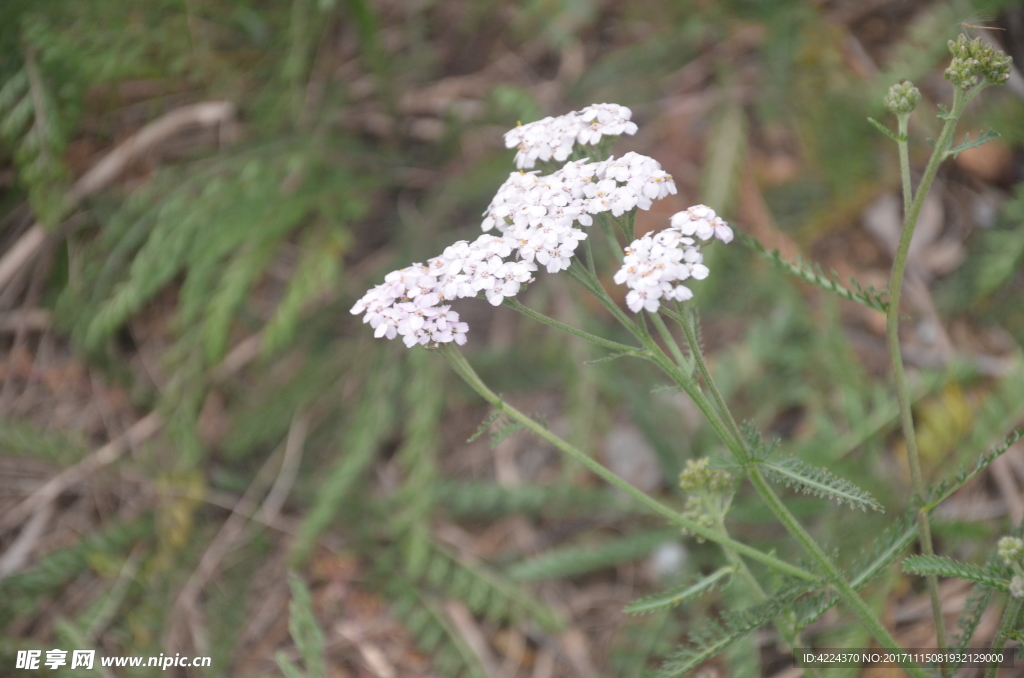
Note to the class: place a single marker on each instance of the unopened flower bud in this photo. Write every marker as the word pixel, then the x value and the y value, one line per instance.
pixel 976 58
pixel 697 511
pixel 1011 550
pixel 902 98
pixel 1017 587
pixel 697 477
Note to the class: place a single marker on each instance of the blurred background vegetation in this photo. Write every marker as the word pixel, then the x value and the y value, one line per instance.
pixel 194 192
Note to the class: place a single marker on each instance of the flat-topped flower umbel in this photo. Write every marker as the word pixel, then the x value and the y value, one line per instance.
pixel 537 221
pixel 553 138
pixel 655 263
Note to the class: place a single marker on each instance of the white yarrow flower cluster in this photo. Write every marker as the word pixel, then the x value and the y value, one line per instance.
pixel 537 219
pixel 539 213
pixel 553 138
pixel 656 264
pixel 411 302
pixel 701 220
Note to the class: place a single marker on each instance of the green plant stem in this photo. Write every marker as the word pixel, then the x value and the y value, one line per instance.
pixel 511 302
pixel 908 189
pixel 463 369
pixel 738 447
pixel 669 340
pixel 845 591
pixel 1010 615
pixel 788 633
pixel 702 367
pixel 892 321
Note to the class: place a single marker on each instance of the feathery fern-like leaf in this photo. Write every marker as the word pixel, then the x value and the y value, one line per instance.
pixel 371 423
pixel 433 632
pixel 715 636
pixel 679 594
pixel 760 449
pixel 947 567
pixel 946 488
pixel 820 482
pixel 317 267
pixel 815 276
pixel 485 592
pixel 894 541
pixel 485 425
pixel 970 617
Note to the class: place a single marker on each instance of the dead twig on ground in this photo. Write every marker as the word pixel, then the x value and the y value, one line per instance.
pixel 104 456
pixel 15 557
pixel 32 319
pixel 103 173
pixel 233 529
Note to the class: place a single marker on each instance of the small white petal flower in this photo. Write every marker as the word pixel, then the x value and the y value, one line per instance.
pixel 653 265
pixel 553 138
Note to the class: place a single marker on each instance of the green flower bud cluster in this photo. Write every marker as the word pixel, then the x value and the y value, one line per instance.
pixel 709 490
pixel 1017 586
pixel 903 97
pixel 1011 550
pixel 698 477
pixel 697 511
pixel 973 59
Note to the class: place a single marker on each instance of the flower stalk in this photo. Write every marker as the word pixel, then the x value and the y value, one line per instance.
pixel 462 367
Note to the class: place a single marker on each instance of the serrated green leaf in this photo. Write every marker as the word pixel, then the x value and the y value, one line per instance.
pixel 947 567
pixel 506 432
pixel 714 637
pixel 945 489
pixel 485 425
pixel 983 139
pixel 869 297
pixel 819 482
pixel 678 595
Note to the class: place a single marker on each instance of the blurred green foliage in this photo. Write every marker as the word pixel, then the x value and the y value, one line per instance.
pixel 271 237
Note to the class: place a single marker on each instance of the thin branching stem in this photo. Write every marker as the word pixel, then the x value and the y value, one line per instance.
pixel 669 340
pixel 1010 614
pixel 738 447
pixel 468 374
pixel 835 577
pixel 913 211
pixel 786 630
pixel 908 189
pixel 687 323
pixel 512 302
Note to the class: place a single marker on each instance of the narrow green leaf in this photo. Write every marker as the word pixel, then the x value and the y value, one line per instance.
pixel 983 139
pixel 945 489
pixel 677 595
pixel 288 669
pixel 574 560
pixel 947 567
pixel 819 482
pixel 886 131
pixel 607 359
pixel 869 297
